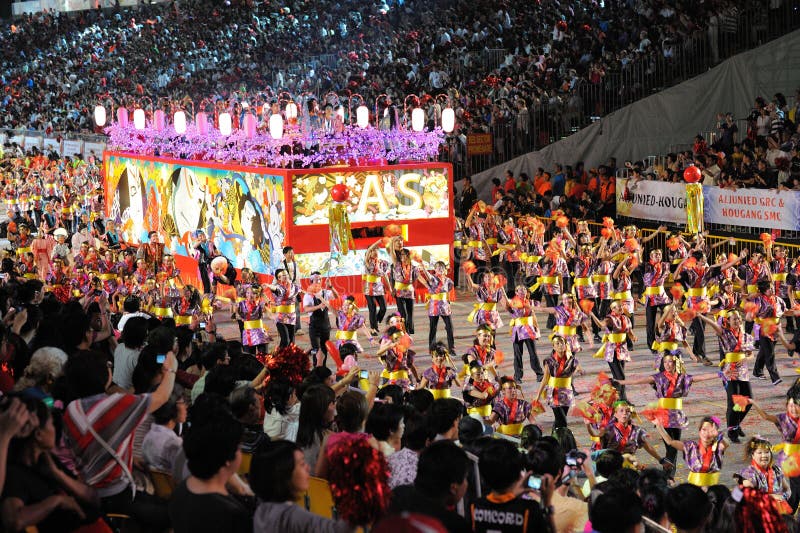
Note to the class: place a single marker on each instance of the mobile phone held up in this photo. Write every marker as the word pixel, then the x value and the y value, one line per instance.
pixel 161 358
pixel 535 483
pixel 364 374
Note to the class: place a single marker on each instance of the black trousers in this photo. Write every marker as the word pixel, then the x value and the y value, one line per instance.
pixel 448 327
pixel 512 270
pixel 603 307
pixel 286 332
pixel 205 278
pixel 319 335
pixel 617 368
pixel 671 453
pixel 766 357
pixel 536 366
pixel 560 414
pixel 650 315
pixel 551 300
pixel 698 329
pixel 146 511
pixel 377 310
pixel 734 418
pixel 406 308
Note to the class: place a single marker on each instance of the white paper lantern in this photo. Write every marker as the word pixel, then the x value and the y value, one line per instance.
pixel 417 119
pixel 100 115
pixel 179 121
pixel 362 116
pixel 225 124
pixel 448 120
pixel 291 110
pixel 138 119
pixel 276 126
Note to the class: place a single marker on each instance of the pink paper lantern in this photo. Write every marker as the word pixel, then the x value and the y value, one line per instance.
pixel 122 117
pixel 159 120
pixel 201 121
pixel 250 126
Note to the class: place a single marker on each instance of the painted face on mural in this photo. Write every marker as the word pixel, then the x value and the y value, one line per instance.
pixel 186 200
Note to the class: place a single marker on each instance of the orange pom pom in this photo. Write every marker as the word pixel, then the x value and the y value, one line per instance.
pixel 659 414
pixel 688 315
pixel 633 262
pixel 769 329
pixel 766 238
pixel 584 410
pixel 750 308
pixel 537 407
pixel 499 357
pixel 586 305
pixel 673 243
pixel 740 401
pixel 676 291
pixel 404 342
pixel 702 307
pixel 690 263
pixel 791 465
pixel 631 245
pixel 562 222
pixel 732 257
pixel 608 222
pixel 607 233
pixel 469 267
pixel 517 302
pixel 392 230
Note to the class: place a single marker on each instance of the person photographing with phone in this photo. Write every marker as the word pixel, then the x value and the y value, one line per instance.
pixel 505 508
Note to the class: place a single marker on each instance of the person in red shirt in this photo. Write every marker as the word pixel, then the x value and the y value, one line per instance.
pixel 497 191
pixel 511 183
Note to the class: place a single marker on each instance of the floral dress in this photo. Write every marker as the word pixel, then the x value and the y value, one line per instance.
pixel 348 326
pixel 373 277
pixel 440 380
pixel 254 331
pixel 438 290
pixel 285 301
pixel 558 390
pixel 670 391
pixel 704 463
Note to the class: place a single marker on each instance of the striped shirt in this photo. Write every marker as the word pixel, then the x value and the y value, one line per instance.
pixel 114 418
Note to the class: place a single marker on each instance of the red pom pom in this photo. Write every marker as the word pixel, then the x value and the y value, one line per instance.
pixel 586 305
pixel 290 362
pixel 631 245
pixel 607 233
pixel 766 238
pixel 340 192
pixel 677 292
pixel 750 308
pixel 392 230
pixel 469 267
pixel 608 222
pixel 517 302
pixel 662 415
pixel 690 263
pixel 692 174
pixel 562 222
pixel 688 315
pixel 673 243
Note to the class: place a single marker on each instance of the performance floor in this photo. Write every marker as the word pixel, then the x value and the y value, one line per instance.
pixel 706 397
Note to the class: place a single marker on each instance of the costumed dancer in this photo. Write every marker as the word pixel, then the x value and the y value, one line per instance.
pixel 397 358
pixel 285 293
pixel 510 412
pixel 477 250
pixel 510 247
pixel 376 273
pixel 737 347
pixel 524 332
pixel 697 274
pixel 671 334
pixel 615 346
pixel 186 308
pixel 489 294
pixel 671 386
pixel 567 320
pixel 316 302
pixel 765 309
pixel 439 287
pixel 553 269
pixel 204 252
pixel 404 275
pixel 598 412
pixel 479 392
pixel 556 386
pixel 439 378
pixel 623 436
pixel 763 473
pixel 58 282
pixel 655 298
pixel 483 350
pixel 251 312
pixel 703 457
pixel 348 322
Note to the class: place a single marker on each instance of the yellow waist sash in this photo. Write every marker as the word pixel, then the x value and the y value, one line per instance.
pixel 439 296
pixel 788 448
pixel 440 393
pixel 396 374
pixel 697 292
pixel 768 320
pixel 668 346
pixel 613 338
pixel 594 439
pixel 474 244
pixel 254 324
pixel 670 403
pixel 29 275
pixel 733 357
pixel 288 309
pixel 162 312
pixel 623 295
pixel 485 306
pixel 23 251
pixel 343 335
pixel 582 282
pixel 781 276
pixel 797 294
pixel 548 280
pixel 565 330
pixel 483 410
pixel 528 258
pixel 654 291
pixel 456 244
pixel 183 320
pixel 522 321
pixel 677 261
pixel 752 289
pixel 492 240
pixel 703 479
pixel 601 278
pixel 559 383
pixel 512 430
pixel 400 286
pixel 370 278
pixel 108 276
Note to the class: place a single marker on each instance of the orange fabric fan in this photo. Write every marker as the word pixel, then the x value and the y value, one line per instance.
pixel 557 213
pixel 690 263
pixel 385 241
pixel 658 414
pixel 740 402
pixel 500 280
pixel 499 357
pixel 538 227
pixel 750 308
pixel 584 410
pixel 586 305
pixel 676 291
pixel 562 222
pixel 766 238
pixel 769 329
pixel 673 243
pixel 687 315
pixel 537 407
pixel 791 465
pixel 633 262
pixel 732 257
pixel 517 302
pixel 608 222
pixel 404 342
pixel 603 378
pixel 632 245
pixel 489 210
pixel 702 307
pixel 469 267
pixel 607 233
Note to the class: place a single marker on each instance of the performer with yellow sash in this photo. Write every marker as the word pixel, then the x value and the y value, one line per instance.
pixel 765 310
pixel 439 378
pixel 696 275
pixel 439 287
pixel 241 287
pixel 186 307
pixel 489 294
pixel 568 318
pixel 252 311
pixel 285 293
pixel 625 437
pixel 482 350
pixel 779 267
pixel 398 358
pixel 376 273
pixel 348 323
pixel 404 275
pixel 510 251
pixel 788 423
pixel 737 348
pixel 671 385
pixel 524 332
pixel 765 474
pixel 615 347
pixel 479 392
pixel 556 386
pixel 671 336
pixel 655 297
pixel 510 412
pixel 703 457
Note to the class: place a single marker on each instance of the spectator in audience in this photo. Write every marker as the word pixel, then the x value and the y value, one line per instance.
pixel 45 367
pixel 279 476
pixel 618 510
pixel 416 436
pixel 282 409
pixel 88 376
pixel 688 508
pixel 440 483
pixel 162 444
pixel 202 502
pixel 127 352
pixel 247 406
pixel 444 417
pixel 385 423
pixel 15 421
pixel 317 411
pixel 570 514
pixel 215 354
